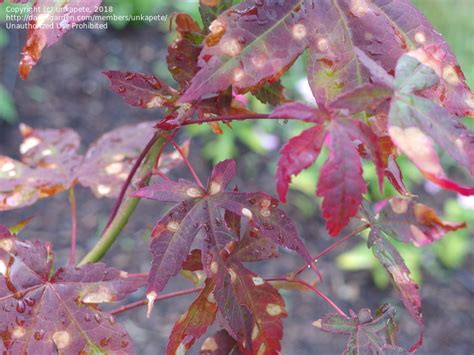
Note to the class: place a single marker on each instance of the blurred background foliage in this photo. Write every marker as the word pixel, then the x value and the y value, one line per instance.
pixel 452 18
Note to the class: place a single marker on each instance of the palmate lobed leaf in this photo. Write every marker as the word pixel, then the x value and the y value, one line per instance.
pixel 199 210
pixel 253 43
pixel 46 310
pixel 51 163
pixel 49 20
pixel 194 323
pixel 242 292
pixel 141 90
pixel 220 343
pixel 413 222
pixel 340 183
pixel 392 261
pixel 367 334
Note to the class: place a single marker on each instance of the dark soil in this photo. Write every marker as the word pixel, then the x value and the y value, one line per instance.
pixel 67 89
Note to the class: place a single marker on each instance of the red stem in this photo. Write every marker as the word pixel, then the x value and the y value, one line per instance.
pixel 160 297
pixel 127 183
pixel 160 152
pixel 333 246
pixel 188 164
pixel 72 203
pixel 236 118
pixel 314 289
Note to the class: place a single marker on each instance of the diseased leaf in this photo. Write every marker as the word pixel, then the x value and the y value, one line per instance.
pixel 413 222
pixel 141 90
pixel 45 311
pixel 211 9
pixel 415 119
pixel 367 334
pixel 50 163
pixel 199 210
pixel 300 111
pixel 340 182
pixel 194 323
pixel 265 304
pixel 392 261
pixel 110 159
pixel 412 76
pixel 184 51
pixel 240 50
pixel 362 98
pixel 386 30
pixel 221 343
pixel 49 20
pixel 271 93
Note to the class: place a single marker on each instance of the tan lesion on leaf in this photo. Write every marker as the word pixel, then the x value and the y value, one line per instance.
pixel 6 244
pixel 18 332
pixel 231 47
pixel 101 295
pixel 61 339
pixel 450 75
pixel 239 75
pixel 209 345
pixel 420 37
pixel 255 332
pixel 6 165
pixel 172 226
pixel 28 144
pixel 359 7
pixel 215 188
pixel 3 268
pixel 114 168
pixel 274 309
pixel 262 349
pixel 194 192
pixel 103 190
pixel 299 31
pixel 399 205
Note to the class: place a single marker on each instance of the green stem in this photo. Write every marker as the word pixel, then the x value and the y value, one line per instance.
pixel 125 211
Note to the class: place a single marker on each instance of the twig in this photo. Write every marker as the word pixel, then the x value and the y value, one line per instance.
pixel 72 203
pixel 126 208
pixel 128 181
pixel 158 298
pixel 188 164
pixel 332 246
pixel 319 293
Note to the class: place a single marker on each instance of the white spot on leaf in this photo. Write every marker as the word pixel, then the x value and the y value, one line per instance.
pixel 247 213
pixel 61 339
pixel 258 281
pixel 215 188
pixel 172 226
pixel 273 309
pixel 299 31
pixel 193 192
pixel 28 144
pixel 103 190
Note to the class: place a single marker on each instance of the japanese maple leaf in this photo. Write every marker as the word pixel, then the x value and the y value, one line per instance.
pixel 50 163
pixel 194 323
pixel 46 311
pixel 416 119
pixel 220 343
pixel 367 334
pixel 340 183
pixel 49 20
pixel 251 307
pixel 392 261
pixel 200 210
pixel 413 222
pixel 254 43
